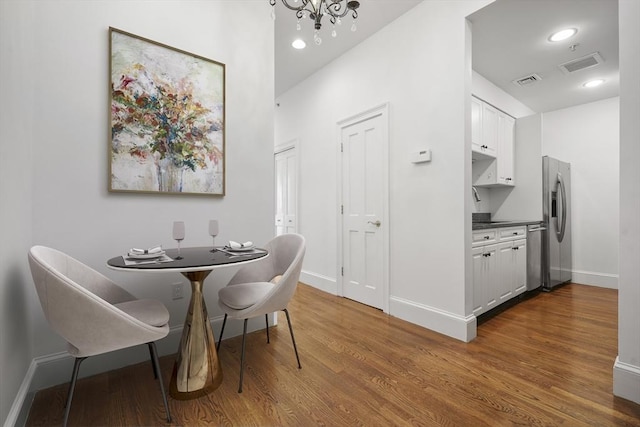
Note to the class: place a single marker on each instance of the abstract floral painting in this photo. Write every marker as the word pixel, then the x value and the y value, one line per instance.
pixel 167 127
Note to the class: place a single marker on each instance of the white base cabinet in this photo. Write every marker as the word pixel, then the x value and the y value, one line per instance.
pixel 499 268
pixel 485 274
pixel 512 265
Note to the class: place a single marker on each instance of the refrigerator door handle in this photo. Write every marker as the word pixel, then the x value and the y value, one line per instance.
pixel 563 191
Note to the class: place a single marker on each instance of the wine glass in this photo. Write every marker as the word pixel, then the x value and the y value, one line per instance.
pixel 178 234
pixel 213 232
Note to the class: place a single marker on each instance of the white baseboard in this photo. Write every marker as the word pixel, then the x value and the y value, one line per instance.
pixel 459 327
pixel 318 281
pixel 19 411
pixel 591 278
pixel 53 369
pixel 626 381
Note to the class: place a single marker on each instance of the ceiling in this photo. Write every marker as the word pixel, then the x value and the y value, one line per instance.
pixel 509 42
pixel 292 66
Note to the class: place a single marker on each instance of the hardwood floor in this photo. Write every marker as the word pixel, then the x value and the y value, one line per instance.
pixel 547 361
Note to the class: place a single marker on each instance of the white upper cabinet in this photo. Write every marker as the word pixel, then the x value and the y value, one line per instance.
pixel 493 145
pixel 506 126
pixel 489 129
pixel 484 129
pixel 476 124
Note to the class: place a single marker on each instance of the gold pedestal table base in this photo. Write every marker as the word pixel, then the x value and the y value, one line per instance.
pixel 197 370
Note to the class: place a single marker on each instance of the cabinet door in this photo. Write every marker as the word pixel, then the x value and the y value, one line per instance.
pixel 484 278
pixel 506 125
pixel 489 129
pixel 505 275
pixel 490 296
pixel 476 124
pixel 479 280
pixel 520 267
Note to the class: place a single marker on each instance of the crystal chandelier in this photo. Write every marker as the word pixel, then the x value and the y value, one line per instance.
pixel 316 9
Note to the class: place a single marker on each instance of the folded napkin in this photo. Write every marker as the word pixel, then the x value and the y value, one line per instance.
pixel 136 251
pixel 236 245
pixel 138 261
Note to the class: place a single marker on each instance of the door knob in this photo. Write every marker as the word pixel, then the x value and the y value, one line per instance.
pixel 376 223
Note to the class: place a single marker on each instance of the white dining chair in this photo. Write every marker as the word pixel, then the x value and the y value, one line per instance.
pixel 264 287
pixel 93 314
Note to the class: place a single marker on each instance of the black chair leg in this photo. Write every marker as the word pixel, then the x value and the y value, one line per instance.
pixel 224 322
pixel 156 369
pixel 266 320
pixel 292 337
pixel 72 386
pixel 244 335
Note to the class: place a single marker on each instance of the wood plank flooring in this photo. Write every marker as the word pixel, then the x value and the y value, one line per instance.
pixel 547 361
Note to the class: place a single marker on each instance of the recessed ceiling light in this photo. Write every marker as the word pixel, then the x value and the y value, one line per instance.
pixel 299 44
pixel 593 83
pixel 562 34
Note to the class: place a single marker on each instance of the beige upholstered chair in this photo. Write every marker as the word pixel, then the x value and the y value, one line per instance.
pixel 264 287
pixel 93 314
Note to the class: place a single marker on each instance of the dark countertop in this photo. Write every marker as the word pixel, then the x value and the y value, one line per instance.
pixel 500 224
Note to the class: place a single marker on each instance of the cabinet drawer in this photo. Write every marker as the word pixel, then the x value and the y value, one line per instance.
pixel 512 233
pixel 484 237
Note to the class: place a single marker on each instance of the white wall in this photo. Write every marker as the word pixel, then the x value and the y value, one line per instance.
pixel 626 372
pixel 428 85
pixel 16 135
pixel 587 136
pixel 55 148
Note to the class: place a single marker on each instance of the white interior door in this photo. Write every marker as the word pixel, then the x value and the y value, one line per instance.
pixel 364 148
pixel 286 191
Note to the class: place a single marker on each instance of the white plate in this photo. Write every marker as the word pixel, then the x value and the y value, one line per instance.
pixel 145 256
pixel 249 248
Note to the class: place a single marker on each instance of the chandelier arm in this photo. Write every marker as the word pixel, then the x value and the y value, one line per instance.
pixel 296 8
pixel 338 10
pixel 334 10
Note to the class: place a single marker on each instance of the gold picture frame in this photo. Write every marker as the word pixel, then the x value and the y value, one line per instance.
pixel 166 119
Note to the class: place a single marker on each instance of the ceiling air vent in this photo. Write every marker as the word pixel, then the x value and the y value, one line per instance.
pixel 588 61
pixel 527 80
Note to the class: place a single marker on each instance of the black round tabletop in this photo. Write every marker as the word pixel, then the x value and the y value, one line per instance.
pixel 193 259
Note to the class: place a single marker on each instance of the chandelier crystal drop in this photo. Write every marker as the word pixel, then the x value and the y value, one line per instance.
pixel 317 9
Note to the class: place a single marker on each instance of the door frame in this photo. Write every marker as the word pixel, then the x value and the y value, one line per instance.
pixel 383 111
pixel 293 144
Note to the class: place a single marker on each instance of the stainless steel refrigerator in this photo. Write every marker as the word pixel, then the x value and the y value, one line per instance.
pixel 556 214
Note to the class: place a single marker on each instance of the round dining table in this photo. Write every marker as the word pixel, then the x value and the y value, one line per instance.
pixel 196 371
